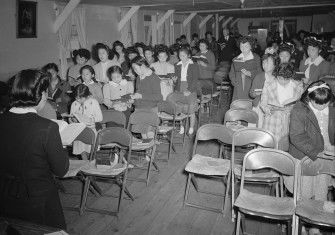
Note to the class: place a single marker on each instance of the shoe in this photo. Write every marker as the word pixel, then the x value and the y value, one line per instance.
pixel 190 131
pixel 182 130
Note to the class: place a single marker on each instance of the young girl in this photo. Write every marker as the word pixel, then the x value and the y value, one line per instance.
pixel 312 133
pixel 206 69
pixel 244 68
pixel 284 53
pixel 87 110
pixel 149 55
pixel 278 97
pixel 185 95
pixel 116 88
pixel 87 75
pixel 174 54
pixel 163 69
pixel 81 58
pixel 314 66
pixel 104 64
pixel 148 88
pixel 268 63
pixel 140 48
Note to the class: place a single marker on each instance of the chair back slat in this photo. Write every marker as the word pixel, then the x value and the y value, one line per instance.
pixel 233 115
pixel 256 136
pixel 241 104
pixel 215 132
pixel 117 118
pixel 270 158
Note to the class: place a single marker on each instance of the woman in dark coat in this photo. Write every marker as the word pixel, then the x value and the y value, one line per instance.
pixel 31 155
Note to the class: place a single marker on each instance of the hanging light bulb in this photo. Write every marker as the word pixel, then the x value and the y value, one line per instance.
pixel 242 4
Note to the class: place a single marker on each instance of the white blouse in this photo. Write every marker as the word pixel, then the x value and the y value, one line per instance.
pixel 90 110
pixel 285 92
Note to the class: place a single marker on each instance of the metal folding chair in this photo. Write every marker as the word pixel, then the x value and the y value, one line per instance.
pixel 234 118
pixel 254 204
pixel 251 138
pixel 209 166
pixel 140 122
pixel 311 211
pixel 121 138
pixel 241 104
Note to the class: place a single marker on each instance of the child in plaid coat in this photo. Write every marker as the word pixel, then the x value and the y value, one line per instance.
pixel 278 97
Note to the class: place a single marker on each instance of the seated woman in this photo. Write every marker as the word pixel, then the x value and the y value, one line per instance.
pixel 278 97
pixel 149 54
pixel 314 66
pixel 31 155
pixel 87 75
pixel 81 57
pixel 185 94
pixel 244 68
pixel 312 133
pixel 268 63
pixel 57 88
pixel 121 55
pixel 284 53
pixel 164 69
pixel 116 89
pixel 87 110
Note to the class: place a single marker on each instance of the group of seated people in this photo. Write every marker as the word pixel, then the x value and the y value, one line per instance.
pixel 291 102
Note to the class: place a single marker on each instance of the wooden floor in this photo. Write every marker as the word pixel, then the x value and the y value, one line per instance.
pixel 157 208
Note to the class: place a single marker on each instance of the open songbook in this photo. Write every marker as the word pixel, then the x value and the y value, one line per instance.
pixel 202 58
pixel 167 76
pixel 69 132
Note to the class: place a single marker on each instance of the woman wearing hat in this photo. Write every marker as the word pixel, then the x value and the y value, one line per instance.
pixel 314 66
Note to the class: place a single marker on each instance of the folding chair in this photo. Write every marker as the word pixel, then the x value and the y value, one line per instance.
pixel 237 115
pixel 140 122
pixel 254 204
pixel 208 166
pixel 241 104
pixel 252 138
pixel 311 211
pixel 205 99
pixel 114 118
pixel 122 138
pixel 168 113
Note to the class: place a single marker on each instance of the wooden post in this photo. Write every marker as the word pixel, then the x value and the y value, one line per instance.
pixel 217 26
pixel 226 22
pixel 189 18
pixel 65 14
pixel 127 17
pixel 234 22
pixel 154 30
pixel 164 18
pixel 221 18
pixel 204 21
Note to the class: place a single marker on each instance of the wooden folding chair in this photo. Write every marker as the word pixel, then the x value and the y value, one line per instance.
pixel 252 138
pixel 140 122
pixel 311 211
pixel 254 204
pixel 209 166
pixel 121 138
pixel 241 104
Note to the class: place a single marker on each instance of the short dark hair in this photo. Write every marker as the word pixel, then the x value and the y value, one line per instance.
pixel 148 48
pixel 285 70
pixel 182 36
pixel 208 33
pixel 88 67
pixel 195 35
pixel 163 49
pixel 114 69
pixel 320 95
pixel 204 41
pixel 82 52
pixel 115 44
pixel 286 47
pixel 186 50
pixel 50 66
pixel 27 88
pixel 81 91
pixel 139 60
pixel 248 39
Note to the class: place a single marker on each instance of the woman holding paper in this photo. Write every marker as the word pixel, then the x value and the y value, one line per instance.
pixel 244 68
pixel 278 97
pixel 31 155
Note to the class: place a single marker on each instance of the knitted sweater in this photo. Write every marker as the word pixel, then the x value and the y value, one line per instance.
pixel 150 89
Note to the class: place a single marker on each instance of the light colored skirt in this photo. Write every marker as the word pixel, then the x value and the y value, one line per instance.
pixel 166 88
pixel 260 114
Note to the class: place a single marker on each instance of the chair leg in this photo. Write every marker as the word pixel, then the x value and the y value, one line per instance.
pixel 238 223
pixel 85 194
pixel 232 196
pixel 194 181
pixel 277 189
pixel 187 189
pixel 227 190
pixel 122 191
pixel 170 145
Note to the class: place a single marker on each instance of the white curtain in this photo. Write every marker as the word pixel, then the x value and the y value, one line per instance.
pixel 133 25
pixel 125 35
pixel 160 31
pixel 202 30
pixel 79 19
pixel 167 24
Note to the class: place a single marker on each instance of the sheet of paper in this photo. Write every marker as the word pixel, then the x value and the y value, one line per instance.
pixel 71 132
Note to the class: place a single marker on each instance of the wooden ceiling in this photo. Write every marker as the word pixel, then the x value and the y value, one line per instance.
pixel 252 8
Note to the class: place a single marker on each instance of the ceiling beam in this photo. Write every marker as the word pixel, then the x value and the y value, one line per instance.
pixel 234 22
pixel 65 14
pixel 226 22
pixel 204 21
pixel 260 8
pixel 221 18
pixel 164 18
pixel 127 17
pixel 189 18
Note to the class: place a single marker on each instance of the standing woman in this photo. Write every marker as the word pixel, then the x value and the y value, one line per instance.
pixel 164 69
pixel 31 155
pixel 206 69
pixel 244 68
pixel 314 66
pixel 121 56
pixel 278 97
pixel 81 58
pixel 104 63
pixel 185 96
pixel 148 88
